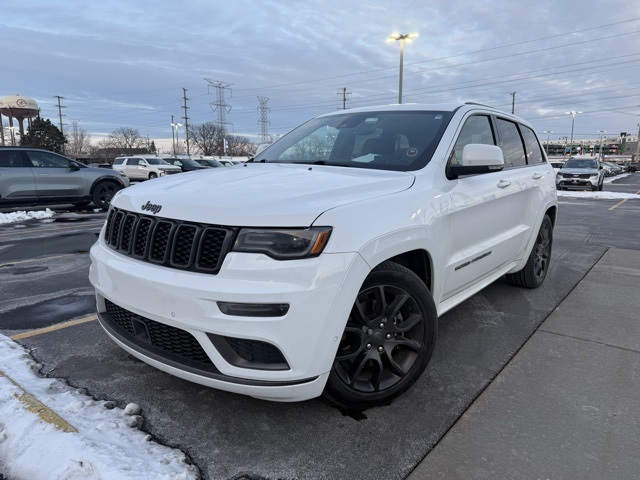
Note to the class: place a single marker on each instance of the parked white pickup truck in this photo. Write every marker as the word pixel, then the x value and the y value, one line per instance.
pixel 144 167
pixel 322 264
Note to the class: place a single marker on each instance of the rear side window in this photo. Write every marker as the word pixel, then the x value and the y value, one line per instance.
pixel 118 161
pixel 511 143
pixel 534 150
pixel 11 159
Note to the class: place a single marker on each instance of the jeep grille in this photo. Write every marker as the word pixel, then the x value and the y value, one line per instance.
pixel 171 243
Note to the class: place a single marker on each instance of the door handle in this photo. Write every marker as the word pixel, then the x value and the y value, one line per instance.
pixel 503 183
pixel 537 176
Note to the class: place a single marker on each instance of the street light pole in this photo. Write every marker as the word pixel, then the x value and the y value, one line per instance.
pixel 548 132
pixel 175 125
pixel 600 148
pixel 573 117
pixel 173 138
pixel 402 37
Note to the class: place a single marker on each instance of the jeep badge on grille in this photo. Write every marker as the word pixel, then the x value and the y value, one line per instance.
pixel 151 207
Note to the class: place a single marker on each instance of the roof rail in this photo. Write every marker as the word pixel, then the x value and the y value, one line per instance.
pixel 480 104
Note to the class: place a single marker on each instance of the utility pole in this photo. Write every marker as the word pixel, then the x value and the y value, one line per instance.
pixel 513 102
pixel 186 119
pixel 264 123
pixel 344 94
pixel 638 145
pixel 60 107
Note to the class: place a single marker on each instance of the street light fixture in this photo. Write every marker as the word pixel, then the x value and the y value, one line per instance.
pixel 573 117
pixel 402 37
pixel 174 126
pixel 600 148
pixel 548 132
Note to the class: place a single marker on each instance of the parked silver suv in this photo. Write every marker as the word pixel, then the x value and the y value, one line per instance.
pixel 580 173
pixel 29 176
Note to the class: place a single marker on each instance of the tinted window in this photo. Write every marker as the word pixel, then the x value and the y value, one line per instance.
pixel 534 150
pixel 48 160
pixel 476 129
pixel 511 143
pixel 118 161
pixel 11 158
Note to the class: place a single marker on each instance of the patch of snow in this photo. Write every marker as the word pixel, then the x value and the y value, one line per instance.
pixel 21 216
pixel 106 442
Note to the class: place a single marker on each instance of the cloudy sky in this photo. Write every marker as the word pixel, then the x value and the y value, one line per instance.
pixel 125 63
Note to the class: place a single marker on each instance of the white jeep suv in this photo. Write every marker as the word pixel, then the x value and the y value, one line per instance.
pixel 322 264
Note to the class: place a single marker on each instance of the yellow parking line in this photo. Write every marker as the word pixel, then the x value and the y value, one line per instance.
pixel 36 406
pixel 621 202
pixel 53 328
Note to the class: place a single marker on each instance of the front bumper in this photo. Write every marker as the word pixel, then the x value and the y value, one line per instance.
pixel 577 183
pixel 172 320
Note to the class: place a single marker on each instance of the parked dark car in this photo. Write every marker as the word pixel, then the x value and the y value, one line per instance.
pixel 30 176
pixel 208 162
pixel 186 164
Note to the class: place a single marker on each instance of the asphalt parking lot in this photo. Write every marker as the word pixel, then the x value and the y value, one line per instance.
pixel 47 305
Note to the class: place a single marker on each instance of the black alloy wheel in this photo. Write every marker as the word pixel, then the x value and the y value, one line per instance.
pixel 104 192
pixel 537 266
pixel 388 340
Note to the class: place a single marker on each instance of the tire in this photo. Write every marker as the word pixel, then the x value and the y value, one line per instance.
pixel 103 192
pixel 537 266
pixel 594 188
pixel 387 342
pixel 152 175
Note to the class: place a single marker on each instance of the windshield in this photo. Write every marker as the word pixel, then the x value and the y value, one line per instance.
pixel 382 140
pixel 156 161
pixel 580 163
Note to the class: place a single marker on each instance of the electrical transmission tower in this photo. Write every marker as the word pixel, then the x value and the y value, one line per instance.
pixel 220 105
pixel 264 123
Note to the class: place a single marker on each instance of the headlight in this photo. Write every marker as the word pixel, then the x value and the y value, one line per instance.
pixel 283 243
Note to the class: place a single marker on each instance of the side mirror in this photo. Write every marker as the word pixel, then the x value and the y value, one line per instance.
pixel 73 167
pixel 478 158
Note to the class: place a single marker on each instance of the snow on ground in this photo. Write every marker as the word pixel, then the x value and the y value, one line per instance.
pixel 21 216
pixel 604 195
pixel 49 430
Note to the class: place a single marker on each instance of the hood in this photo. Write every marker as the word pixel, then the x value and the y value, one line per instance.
pixel 260 194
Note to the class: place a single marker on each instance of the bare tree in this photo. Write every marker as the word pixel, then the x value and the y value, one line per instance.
pixel 208 138
pixel 78 141
pixel 125 139
pixel 239 146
